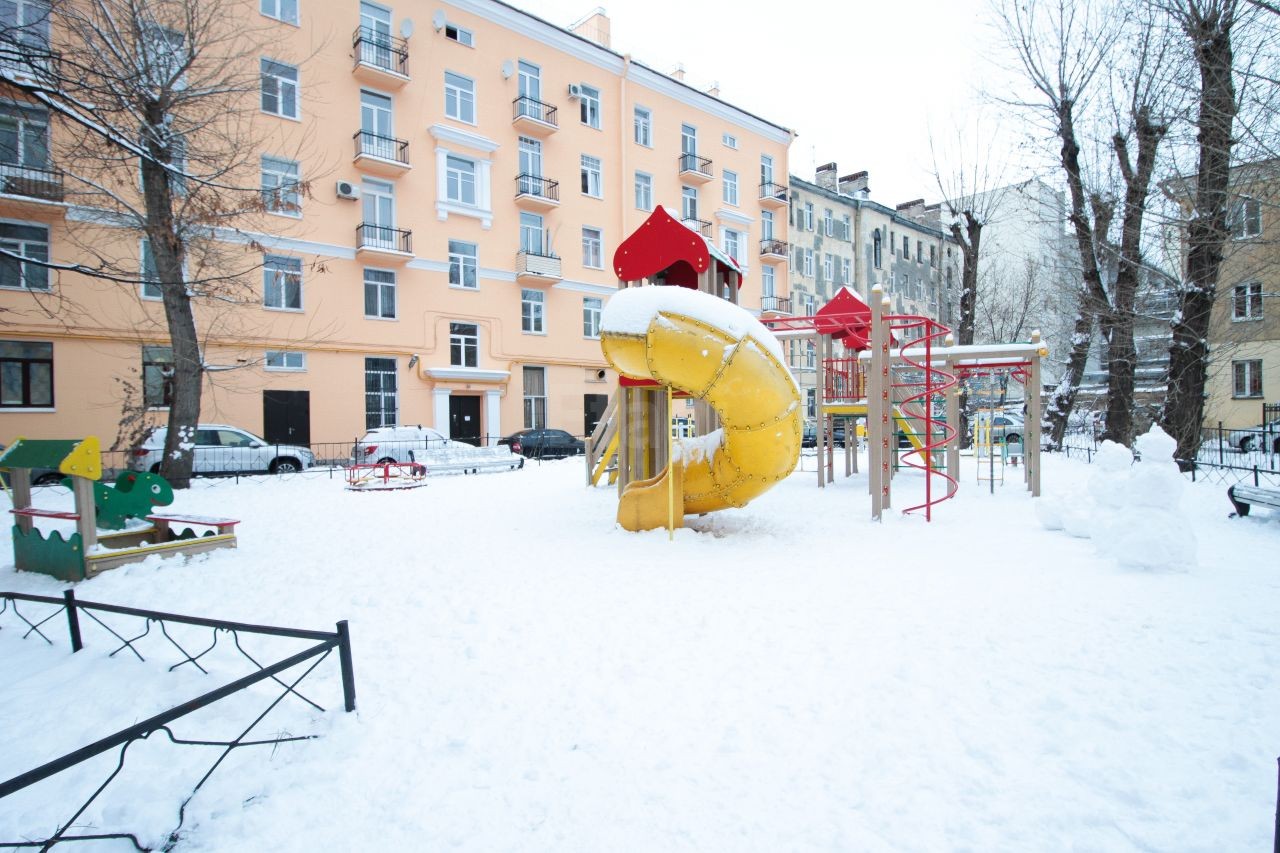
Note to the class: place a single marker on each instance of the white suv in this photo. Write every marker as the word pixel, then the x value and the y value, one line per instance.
pixel 398 444
pixel 222 449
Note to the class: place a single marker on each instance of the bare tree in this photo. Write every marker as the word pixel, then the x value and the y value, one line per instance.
pixel 156 101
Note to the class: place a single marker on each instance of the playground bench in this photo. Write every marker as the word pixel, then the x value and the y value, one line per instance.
pixel 1242 497
pixel 32 512
pixel 222 525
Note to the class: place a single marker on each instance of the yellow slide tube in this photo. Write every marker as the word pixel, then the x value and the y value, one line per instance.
pixel 739 375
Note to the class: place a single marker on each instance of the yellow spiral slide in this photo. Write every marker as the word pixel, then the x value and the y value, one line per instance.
pixel 715 351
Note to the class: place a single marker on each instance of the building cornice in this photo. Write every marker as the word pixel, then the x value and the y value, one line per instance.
pixel 465 138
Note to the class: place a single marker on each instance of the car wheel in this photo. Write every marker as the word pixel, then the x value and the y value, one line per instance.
pixel 155 469
pixel 49 479
pixel 1013 438
pixel 1275 446
pixel 285 465
pixel 386 460
pixel 1246 444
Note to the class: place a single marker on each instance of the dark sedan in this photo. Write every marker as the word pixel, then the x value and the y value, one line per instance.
pixel 544 443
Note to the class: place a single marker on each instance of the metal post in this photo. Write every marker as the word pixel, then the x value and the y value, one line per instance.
pixel 1275 838
pixel 348 671
pixel 1220 442
pixel 73 620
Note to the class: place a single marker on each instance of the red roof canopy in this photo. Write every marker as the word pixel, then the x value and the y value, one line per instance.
pixel 846 318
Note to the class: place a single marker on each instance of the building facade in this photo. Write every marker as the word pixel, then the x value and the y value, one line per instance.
pixel 441 199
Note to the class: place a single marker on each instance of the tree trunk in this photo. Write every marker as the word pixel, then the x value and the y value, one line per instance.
pixel 1210 32
pixel 970 241
pixel 1064 396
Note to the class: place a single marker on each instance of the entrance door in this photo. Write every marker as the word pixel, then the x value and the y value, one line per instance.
pixel 593 406
pixel 286 417
pixel 464 419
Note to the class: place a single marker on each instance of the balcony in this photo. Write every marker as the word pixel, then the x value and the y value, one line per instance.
pixel 702 226
pixel 774 250
pixel 535 268
pixel 775 304
pixel 534 192
pixel 26 57
pixel 379 58
pixel 534 117
pixel 383 242
pixel 384 155
pixel 773 195
pixel 695 169
pixel 31 190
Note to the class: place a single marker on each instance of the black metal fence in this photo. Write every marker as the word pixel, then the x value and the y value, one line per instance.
pixel 1221 459
pixel 107 621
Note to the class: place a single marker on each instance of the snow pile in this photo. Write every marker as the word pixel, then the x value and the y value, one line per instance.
pixel 1132 512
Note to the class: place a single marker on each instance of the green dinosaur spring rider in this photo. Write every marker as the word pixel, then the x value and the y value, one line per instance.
pixel 86 552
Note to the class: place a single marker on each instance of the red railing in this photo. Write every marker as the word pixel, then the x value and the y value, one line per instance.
pixel 845 380
pixel 919 405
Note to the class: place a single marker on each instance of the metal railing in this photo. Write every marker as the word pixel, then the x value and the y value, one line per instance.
pixel 31 181
pixel 537 186
pixel 702 226
pixel 106 621
pixel 770 190
pixel 384 52
pixel 370 144
pixel 694 163
pixel 776 304
pixel 775 247
pixel 526 107
pixel 372 236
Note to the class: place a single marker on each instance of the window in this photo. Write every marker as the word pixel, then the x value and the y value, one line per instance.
pixel 533 320
pixel 25 22
pixel 1247 302
pixel 766 169
pixel 159 55
pixel 1247 378
pixel 453 32
pixel 730 187
pixel 281 10
pixel 906 247
pixel 285 360
pixel 378 202
pixel 24 136
pixel 1246 218
pixel 733 243
pixel 592 248
pixel 460 180
pixel 766 225
pixel 532 234
pixel 729 140
pixel 462 264
pixel 464 344
pixel 279 89
pixel 280 192
pixel 768 284
pixel 589 105
pixel 26 375
pixel 591 183
pixel 828 267
pixel 282 283
pixel 535 397
pixel 808 262
pixel 808 216
pixel 846 231
pixel 828 222
pixel 148 273
pixel 376 126
pixel 459 97
pixel 530 166
pixel 30 241
pixel 810 402
pixel 846 271
pixel 380 398
pixel 643 127
pixel 877 249
pixel 893 243
pixel 919 252
pixel 644 191
pixel 380 294
pixel 933 255
pixel 591 306
pixel 157 376
pixel 689 202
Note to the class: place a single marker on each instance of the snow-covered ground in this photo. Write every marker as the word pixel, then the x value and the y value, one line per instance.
pixel 789 676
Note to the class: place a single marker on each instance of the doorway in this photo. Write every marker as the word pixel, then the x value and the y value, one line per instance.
pixel 593 406
pixel 464 419
pixel 286 417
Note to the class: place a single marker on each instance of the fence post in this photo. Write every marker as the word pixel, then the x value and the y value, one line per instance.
pixel 1220 443
pixel 73 620
pixel 1275 837
pixel 348 671
pixel 1255 476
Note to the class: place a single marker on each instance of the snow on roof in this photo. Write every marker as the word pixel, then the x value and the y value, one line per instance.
pixel 630 311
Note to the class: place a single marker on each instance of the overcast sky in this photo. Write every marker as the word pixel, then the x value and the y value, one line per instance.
pixel 862 83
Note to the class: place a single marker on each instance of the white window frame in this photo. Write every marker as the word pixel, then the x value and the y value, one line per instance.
pixel 828 266
pixel 766 225
pixel 466 345
pixel 730 187
pixel 589 106
pixel 149 288
pixel 808 216
pixel 644 191
pixel 534 405
pixel 271 267
pixel 278 10
pixel 458 178
pixel 768 281
pixel 828 222
pixel 461 261
pixel 642 126
pixel 592 247
pixel 688 202
pixel 459 97
pixel 808 263
pixel 381 288
pixel 729 140
pixel 281 195
pixel 284 88
pixel 1245 212
pixel 1245 373
pixel 533 311
pixel 23 246
pixel 1247 295
pixel 846 270
pixel 731 240
pixel 291 361
pixel 461 35
pixel 592 176
pixel 592 306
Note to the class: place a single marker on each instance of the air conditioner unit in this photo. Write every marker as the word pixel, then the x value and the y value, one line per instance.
pixel 346 189
pixel 575 90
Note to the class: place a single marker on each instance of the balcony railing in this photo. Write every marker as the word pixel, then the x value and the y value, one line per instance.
pixel 702 226
pixel 769 191
pixel 775 304
pixel 538 187
pixel 30 58
pixel 384 52
pixel 31 182
pixel 697 165
pixel 774 247
pixel 537 265
pixel 370 235
pixel 389 148
pixel 526 107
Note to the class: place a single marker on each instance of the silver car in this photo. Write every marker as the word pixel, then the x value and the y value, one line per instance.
pixel 1261 437
pixel 223 449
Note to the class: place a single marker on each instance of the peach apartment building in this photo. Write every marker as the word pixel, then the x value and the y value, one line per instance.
pixel 444 186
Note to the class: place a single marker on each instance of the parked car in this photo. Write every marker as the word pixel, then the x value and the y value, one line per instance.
pixel 543 443
pixel 810 436
pixel 222 449
pixel 39 476
pixel 1005 426
pixel 398 444
pixel 1262 437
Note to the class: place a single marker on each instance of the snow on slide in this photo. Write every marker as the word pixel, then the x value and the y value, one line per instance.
pixel 715 351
